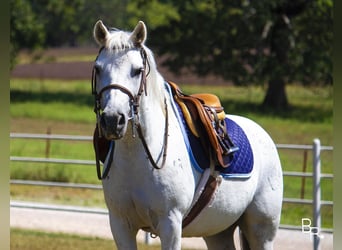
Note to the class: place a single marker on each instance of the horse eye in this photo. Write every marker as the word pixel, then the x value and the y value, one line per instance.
pixel 136 72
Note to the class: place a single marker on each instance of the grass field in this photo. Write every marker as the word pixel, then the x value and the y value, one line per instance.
pixel 65 107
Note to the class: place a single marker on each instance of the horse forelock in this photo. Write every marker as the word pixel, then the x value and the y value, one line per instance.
pixel 118 41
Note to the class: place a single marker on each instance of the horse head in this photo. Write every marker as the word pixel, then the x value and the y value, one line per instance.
pixel 119 77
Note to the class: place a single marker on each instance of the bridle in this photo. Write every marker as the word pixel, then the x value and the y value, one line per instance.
pixel 134 102
pixel 133 99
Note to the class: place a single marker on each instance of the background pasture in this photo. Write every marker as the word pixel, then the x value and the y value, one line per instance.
pixel 39 105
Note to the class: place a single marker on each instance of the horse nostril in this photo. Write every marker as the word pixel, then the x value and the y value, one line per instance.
pixel 114 124
pixel 121 120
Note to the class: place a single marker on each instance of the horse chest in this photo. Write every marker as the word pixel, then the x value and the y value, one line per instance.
pixel 155 189
pixel 145 204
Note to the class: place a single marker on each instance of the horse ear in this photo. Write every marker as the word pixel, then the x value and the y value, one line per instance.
pixel 139 34
pixel 100 33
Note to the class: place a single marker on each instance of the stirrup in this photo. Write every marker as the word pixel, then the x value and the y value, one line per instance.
pixel 232 150
pixel 228 145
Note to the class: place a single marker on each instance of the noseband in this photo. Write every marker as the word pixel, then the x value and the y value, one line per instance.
pixel 134 102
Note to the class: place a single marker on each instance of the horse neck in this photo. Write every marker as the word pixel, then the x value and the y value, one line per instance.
pixel 152 111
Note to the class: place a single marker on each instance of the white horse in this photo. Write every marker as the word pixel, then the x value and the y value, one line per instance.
pixel 151 186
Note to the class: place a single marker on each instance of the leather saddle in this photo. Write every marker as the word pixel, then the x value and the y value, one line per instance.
pixel 205 117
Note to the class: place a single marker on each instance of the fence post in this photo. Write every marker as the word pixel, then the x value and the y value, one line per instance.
pixel 316 192
pixel 305 161
pixel 48 142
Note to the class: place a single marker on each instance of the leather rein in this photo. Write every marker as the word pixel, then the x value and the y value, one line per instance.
pixel 134 106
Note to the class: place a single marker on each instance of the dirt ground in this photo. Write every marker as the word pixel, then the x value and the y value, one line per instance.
pixel 97 225
pixel 82 70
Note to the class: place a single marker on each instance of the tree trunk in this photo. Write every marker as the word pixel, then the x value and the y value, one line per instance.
pixel 276 95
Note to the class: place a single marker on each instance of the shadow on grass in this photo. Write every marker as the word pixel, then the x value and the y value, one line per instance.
pixel 18 96
pixel 308 113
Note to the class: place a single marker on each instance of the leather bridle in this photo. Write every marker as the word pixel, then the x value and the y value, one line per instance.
pixel 134 102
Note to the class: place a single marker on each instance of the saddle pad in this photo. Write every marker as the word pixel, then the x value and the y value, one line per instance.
pixel 242 161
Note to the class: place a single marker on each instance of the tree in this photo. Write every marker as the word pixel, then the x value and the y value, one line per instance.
pixel 70 23
pixel 249 42
pixel 54 23
pixel 26 31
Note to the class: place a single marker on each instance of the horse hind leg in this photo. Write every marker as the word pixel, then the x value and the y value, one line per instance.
pixel 260 221
pixel 258 230
pixel 223 240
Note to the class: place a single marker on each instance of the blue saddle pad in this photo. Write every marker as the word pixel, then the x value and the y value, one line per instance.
pixel 241 164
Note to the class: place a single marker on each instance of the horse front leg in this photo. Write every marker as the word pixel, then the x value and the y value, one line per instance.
pixel 124 236
pixel 170 232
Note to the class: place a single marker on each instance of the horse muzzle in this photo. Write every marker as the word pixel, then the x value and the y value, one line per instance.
pixel 113 125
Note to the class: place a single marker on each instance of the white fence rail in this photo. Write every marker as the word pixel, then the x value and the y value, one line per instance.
pixel 316 176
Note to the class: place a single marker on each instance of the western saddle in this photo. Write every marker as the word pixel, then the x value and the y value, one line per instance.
pixel 205 118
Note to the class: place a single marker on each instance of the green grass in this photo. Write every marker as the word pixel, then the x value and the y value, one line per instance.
pixel 37 240
pixel 69 101
pixel 66 107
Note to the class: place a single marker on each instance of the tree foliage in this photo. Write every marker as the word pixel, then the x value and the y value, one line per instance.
pixel 54 23
pixel 248 42
pixel 70 23
pixel 245 41
pixel 26 30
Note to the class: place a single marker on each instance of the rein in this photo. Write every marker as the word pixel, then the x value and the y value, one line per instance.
pixel 134 105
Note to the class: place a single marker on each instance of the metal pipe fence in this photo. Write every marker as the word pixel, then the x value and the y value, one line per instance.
pixel 316 175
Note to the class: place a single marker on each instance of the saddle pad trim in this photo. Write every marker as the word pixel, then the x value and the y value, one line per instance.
pixel 193 160
pixel 185 137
